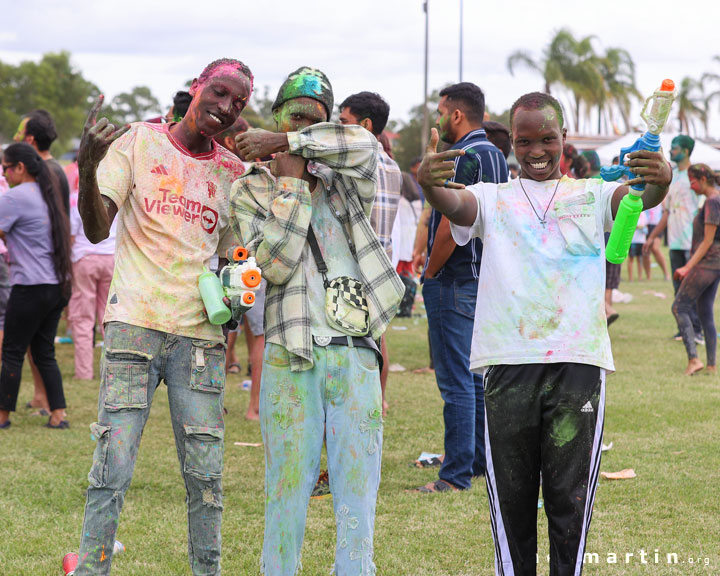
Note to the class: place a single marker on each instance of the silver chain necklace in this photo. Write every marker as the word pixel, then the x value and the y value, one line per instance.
pixel 542 220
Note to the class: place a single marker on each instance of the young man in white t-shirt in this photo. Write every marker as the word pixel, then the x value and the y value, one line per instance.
pixel 540 332
pixel 168 185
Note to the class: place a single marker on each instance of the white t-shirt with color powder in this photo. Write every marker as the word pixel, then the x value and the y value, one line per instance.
pixel 541 291
pixel 682 205
pixel 173 217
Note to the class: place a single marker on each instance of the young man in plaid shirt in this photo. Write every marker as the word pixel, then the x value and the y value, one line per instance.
pixel 315 378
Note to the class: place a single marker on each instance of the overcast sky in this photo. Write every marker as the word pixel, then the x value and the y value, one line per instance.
pixel 375 45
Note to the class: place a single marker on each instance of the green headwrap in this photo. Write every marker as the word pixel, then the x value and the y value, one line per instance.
pixel 306 82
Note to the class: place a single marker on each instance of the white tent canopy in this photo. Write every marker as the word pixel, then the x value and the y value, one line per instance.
pixel 702 153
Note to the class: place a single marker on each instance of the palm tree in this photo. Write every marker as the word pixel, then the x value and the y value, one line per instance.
pixel 690 104
pixel 618 71
pixel 568 62
pixel 711 78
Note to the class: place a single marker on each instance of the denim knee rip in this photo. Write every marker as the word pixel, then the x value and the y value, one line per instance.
pixel 125 379
pixel 208 366
pixel 99 470
pixel 204 461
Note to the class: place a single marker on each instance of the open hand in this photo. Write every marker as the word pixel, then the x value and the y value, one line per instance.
pixel 438 167
pixel 257 143
pixel 97 136
pixel 649 168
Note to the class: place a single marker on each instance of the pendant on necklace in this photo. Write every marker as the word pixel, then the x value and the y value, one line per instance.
pixel 543 223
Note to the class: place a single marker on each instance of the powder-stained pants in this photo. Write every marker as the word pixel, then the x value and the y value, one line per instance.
pixel 135 361
pixel 92 275
pixel 542 418
pixel 339 396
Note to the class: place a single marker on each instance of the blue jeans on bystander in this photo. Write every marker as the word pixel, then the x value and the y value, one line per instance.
pixel 450 307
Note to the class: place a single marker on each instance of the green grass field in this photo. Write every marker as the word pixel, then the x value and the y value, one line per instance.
pixel 662 424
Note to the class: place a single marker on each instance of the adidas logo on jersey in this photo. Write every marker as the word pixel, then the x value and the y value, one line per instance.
pixel 587 408
pixel 159 169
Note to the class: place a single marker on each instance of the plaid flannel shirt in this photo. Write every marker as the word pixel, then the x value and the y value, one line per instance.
pixel 271 217
pixel 387 199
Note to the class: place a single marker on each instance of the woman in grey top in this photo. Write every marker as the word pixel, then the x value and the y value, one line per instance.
pixel 36 230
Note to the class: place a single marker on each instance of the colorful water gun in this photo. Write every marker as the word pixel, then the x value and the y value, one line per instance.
pixel 238 281
pixel 631 205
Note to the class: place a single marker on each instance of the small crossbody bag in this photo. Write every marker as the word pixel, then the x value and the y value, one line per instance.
pixel 346 307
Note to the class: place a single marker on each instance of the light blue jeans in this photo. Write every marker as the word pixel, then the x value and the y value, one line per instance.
pixel 340 398
pixel 134 362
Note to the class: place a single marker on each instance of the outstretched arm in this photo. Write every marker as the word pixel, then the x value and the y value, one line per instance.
pixel 96 211
pixel 448 198
pixel 650 168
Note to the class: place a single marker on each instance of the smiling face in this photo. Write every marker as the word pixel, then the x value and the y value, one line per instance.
pixel 299 113
pixel 217 103
pixel 538 141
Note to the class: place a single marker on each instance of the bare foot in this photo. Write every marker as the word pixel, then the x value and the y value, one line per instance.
pixel 426 370
pixel 385 408
pixel 250 415
pixel 694 365
pixel 711 370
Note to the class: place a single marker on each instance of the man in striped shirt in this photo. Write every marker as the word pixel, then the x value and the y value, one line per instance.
pixel 450 291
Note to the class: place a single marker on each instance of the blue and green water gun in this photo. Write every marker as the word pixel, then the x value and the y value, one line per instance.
pixel 631 205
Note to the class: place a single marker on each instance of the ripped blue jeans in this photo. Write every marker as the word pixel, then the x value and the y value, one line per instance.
pixel 338 398
pixel 134 362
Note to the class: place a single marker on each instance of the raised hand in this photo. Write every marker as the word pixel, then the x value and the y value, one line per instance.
pixel 97 136
pixel 438 167
pixel 258 143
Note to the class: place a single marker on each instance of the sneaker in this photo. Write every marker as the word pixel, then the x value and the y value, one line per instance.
pixel 322 488
pixel 678 337
pixel 699 340
pixel 70 562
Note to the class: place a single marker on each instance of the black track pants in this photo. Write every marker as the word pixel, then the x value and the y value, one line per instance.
pixel 542 418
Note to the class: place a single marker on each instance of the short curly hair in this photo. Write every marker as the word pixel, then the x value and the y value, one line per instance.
pixel 229 62
pixel 538 101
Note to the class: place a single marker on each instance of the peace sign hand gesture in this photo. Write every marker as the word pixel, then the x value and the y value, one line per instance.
pixel 97 137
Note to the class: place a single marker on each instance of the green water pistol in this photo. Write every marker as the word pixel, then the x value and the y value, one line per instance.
pixel 631 205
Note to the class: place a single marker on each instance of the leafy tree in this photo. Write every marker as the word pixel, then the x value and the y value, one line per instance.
pixel 135 106
pixel 408 143
pixel 258 112
pixel 52 84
